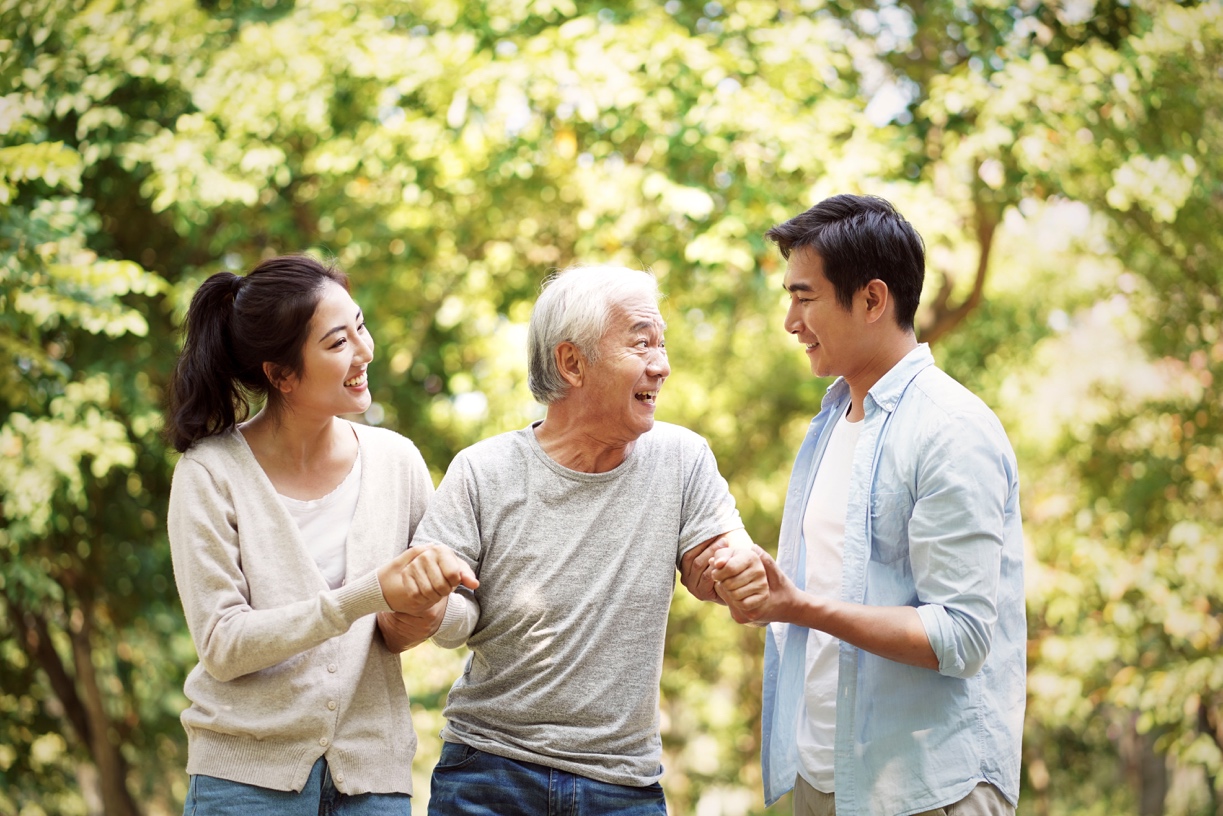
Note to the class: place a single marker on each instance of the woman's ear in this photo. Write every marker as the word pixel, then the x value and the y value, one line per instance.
pixel 281 378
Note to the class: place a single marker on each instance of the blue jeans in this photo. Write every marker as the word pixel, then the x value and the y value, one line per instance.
pixel 467 782
pixel 210 796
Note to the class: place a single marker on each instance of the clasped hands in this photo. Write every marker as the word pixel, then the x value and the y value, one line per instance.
pixel 417 585
pixel 730 570
pixel 733 571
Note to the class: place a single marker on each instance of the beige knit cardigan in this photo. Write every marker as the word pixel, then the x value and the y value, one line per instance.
pixel 289 669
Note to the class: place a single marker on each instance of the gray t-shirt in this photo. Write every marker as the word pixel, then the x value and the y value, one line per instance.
pixel 576 575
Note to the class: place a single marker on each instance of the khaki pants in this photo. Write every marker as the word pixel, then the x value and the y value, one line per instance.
pixel 985 800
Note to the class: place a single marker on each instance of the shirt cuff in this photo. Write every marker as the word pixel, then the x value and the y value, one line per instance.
pixel 361 597
pixel 458 622
pixel 941 635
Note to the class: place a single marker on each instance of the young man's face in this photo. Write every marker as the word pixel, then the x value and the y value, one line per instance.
pixel 831 333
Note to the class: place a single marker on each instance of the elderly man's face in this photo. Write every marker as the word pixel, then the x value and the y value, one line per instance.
pixel 632 366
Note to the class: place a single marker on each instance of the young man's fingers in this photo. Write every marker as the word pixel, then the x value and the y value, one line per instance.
pixel 739 563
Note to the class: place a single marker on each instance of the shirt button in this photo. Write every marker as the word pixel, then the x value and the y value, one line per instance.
pixel 331 705
pixel 323 742
pixel 331 667
pixel 339 778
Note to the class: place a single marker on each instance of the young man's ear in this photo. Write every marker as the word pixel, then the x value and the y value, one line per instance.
pixel 877 297
pixel 571 363
pixel 280 377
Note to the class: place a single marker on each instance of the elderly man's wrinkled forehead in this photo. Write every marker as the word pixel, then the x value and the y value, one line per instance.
pixel 634 313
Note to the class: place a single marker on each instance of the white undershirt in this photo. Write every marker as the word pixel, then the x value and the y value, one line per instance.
pixel 324 524
pixel 824 533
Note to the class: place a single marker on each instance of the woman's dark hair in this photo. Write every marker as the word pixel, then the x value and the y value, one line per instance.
pixel 234 325
pixel 860 238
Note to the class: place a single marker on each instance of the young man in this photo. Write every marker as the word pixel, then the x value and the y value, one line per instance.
pixel 894 665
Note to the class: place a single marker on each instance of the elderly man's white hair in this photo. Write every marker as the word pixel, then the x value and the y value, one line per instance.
pixel 574 307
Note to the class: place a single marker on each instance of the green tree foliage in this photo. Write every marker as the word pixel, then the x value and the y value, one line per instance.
pixel 80 494
pixel 93 642
pixel 1061 159
pixel 1129 528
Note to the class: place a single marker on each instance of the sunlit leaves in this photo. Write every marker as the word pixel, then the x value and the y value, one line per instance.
pixel 49 162
pixel 75 427
pixel 43 456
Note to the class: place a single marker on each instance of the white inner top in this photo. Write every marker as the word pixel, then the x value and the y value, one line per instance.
pixel 824 534
pixel 324 524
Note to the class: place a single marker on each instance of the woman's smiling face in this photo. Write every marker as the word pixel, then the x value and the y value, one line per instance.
pixel 338 349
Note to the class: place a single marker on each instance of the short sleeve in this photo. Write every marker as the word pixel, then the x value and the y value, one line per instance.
pixel 708 507
pixel 452 518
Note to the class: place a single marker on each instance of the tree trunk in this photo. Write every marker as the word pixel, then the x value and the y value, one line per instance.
pixel 1210 723
pixel 35 639
pixel 81 699
pixel 1153 777
pixel 1146 768
pixel 112 767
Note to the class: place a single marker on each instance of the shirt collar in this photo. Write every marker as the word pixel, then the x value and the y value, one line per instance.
pixel 891 386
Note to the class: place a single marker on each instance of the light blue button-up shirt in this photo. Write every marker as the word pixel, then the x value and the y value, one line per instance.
pixel 932 522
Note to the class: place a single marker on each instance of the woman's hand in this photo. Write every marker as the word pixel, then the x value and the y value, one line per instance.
pixel 418 578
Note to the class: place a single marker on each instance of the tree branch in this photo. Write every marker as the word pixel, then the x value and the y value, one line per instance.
pixel 35 640
pixel 944 317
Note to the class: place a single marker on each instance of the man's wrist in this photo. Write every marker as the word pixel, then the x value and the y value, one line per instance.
pixel 782 607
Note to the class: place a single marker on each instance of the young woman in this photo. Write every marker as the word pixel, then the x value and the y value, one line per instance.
pixel 289 535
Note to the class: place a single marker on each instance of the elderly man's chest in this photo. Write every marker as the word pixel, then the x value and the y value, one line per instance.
pixel 618 544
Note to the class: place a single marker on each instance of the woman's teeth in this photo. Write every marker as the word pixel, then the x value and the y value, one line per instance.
pixel 357 380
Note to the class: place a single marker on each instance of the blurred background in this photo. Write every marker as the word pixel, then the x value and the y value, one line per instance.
pixel 1062 158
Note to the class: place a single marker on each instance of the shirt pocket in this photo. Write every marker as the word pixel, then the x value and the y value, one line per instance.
pixel 890 514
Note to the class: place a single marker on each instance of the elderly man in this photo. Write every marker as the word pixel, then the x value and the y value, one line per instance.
pixel 574 527
pixel 894 662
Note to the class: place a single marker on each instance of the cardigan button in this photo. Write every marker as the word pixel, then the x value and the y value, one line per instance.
pixel 331 705
pixel 331 667
pixel 323 742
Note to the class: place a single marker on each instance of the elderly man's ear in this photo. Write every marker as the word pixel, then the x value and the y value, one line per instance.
pixel 571 363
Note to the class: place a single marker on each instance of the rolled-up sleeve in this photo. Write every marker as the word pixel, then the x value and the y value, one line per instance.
pixel 955 538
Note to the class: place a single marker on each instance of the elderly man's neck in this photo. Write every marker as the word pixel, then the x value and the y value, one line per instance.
pixel 578 446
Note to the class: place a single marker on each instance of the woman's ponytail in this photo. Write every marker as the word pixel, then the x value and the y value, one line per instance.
pixel 205 396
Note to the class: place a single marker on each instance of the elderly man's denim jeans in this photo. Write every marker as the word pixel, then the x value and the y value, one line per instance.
pixel 209 796
pixel 467 782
